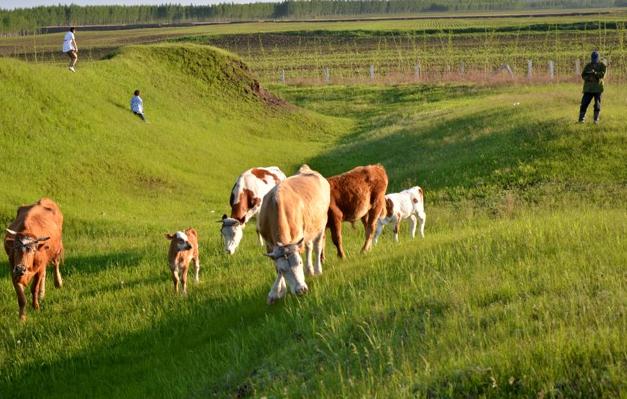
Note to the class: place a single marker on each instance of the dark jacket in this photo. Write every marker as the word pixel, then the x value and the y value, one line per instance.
pixel 593 75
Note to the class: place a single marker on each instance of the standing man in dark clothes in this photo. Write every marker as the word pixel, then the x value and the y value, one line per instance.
pixel 592 75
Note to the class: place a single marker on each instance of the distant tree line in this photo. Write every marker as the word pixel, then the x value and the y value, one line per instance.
pixel 29 20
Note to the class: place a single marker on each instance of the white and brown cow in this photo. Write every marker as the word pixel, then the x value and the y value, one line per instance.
pixel 183 249
pixel 32 241
pixel 293 217
pixel 408 204
pixel 246 199
pixel 357 194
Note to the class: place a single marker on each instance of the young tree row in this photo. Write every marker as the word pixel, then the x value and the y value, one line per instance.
pixel 29 20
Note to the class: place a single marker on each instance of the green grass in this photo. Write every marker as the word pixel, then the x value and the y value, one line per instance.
pixel 518 289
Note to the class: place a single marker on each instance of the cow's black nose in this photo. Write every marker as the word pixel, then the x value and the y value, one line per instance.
pixel 19 270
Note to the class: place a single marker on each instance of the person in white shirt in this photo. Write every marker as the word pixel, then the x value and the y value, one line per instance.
pixel 70 48
pixel 137 105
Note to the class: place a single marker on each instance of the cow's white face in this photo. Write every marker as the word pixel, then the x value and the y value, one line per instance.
pixel 232 232
pixel 290 264
pixel 181 240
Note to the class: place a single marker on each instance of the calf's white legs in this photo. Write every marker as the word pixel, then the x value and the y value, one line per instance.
pixel 422 217
pixel 380 227
pixel 412 225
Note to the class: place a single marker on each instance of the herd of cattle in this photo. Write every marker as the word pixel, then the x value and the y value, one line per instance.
pixel 292 215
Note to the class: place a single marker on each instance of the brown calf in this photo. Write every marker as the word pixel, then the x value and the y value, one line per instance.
pixel 31 242
pixel 183 248
pixel 357 194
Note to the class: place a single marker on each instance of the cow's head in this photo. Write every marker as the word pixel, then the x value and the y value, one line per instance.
pixel 232 232
pixel 180 240
pixel 23 251
pixel 289 263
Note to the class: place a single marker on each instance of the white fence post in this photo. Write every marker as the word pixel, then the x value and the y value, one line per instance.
pixel 529 69
pixel 418 71
pixel 462 68
pixel 551 70
pixel 327 75
pixel 578 67
pixel 282 77
pixel 371 72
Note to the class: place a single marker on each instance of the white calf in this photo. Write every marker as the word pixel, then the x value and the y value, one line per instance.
pixel 408 204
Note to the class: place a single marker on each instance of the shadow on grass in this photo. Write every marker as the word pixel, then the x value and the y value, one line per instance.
pixel 208 348
pixel 98 263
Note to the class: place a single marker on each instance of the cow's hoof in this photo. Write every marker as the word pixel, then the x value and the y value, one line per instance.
pixel 22 317
pixel 302 291
pixel 272 300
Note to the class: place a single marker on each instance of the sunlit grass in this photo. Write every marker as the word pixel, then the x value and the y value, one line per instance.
pixel 516 291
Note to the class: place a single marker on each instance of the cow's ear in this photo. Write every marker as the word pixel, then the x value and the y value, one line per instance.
pixel 300 243
pixel 224 216
pixel 42 245
pixel 42 239
pixel 169 236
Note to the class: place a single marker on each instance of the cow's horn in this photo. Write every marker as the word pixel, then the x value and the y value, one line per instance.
pixel 11 232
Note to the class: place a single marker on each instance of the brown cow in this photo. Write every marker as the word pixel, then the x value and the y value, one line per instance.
pixel 31 242
pixel 183 248
pixel 357 194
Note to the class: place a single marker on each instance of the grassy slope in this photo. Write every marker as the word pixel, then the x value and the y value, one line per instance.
pixel 517 290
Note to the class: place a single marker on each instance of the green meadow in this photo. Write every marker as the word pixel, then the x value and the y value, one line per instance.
pixel 517 290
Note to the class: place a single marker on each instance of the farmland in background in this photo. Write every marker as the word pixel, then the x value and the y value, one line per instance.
pixel 431 54
pixel 381 51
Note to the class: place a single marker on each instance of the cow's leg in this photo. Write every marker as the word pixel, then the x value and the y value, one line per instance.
pixel 397 227
pixel 370 221
pixel 58 281
pixel 380 226
pixel 184 270
pixel 318 246
pixel 34 289
pixel 422 218
pixel 21 299
pixel 260 239
pixel 413 222
pixel 42 285
pixel 196 269
pixel 335 223
pixel 278 289
pixel 308 254
pixel 175 278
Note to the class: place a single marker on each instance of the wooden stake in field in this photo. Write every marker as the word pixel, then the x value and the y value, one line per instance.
pixel 529 69
pixel 578 67
pixel 327 75
pixel 371 72
pixel 551 70
pixel 418 70
pixel 282 76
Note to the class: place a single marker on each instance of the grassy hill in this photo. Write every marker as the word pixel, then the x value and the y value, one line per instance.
pixel 517 290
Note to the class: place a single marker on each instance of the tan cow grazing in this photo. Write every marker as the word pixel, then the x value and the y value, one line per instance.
pixel 292 218
pixel 357 194
pixel 183 248
pixel 32 241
